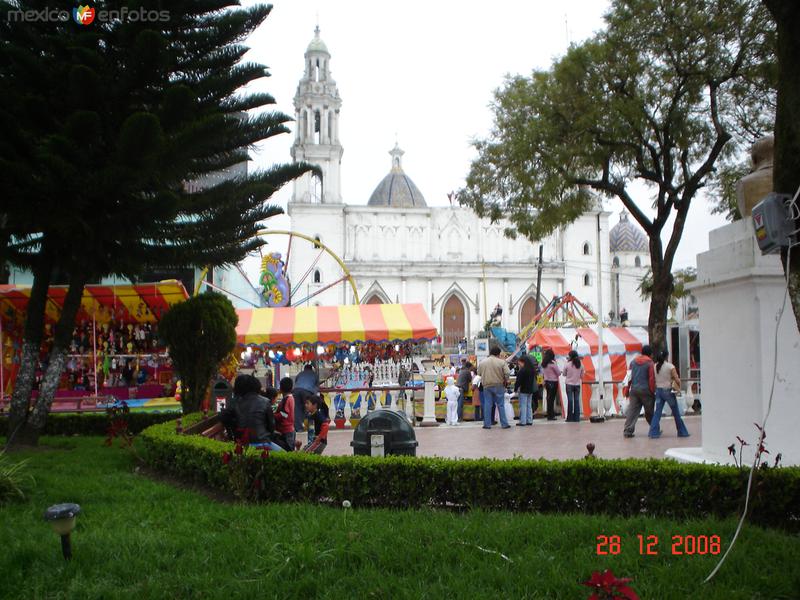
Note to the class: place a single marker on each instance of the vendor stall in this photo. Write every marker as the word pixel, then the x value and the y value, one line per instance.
pixel 365 347
pixel 114 352
pixel 620 347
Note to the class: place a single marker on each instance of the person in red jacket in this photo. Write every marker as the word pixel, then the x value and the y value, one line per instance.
pixel 318 411
pixel 642 385
pixel 284 413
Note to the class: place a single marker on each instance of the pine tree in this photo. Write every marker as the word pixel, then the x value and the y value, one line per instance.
pixel 114 118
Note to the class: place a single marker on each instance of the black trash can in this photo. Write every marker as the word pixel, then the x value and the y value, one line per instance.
pixel 398 435
pixel 222 392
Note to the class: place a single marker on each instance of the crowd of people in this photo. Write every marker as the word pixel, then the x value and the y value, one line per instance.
pixel 651 386
pixel 272 420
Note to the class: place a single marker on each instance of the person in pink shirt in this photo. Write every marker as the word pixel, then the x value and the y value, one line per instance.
pixel 573 373
pixel 551 373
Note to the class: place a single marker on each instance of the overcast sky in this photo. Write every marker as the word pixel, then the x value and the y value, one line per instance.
pixel 423 72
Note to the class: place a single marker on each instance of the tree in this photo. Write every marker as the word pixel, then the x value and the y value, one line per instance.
pixel 200 333
pixel 680 278
pixel 658 98
pixel 137 109
pixel 786 174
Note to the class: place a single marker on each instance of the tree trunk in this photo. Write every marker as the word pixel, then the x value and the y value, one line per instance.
pixel 786 173
pixel 58 358
pixel 31 346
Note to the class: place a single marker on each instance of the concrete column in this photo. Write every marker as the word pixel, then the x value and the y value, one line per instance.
pixel 506 308
pixel 429 414
pixel 739 294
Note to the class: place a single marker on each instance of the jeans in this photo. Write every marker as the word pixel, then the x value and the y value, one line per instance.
pixel 551 387
pixel 525 409
pixel 664 395
pixel 573 403
pixel 494 396
pixel 272 446
pixel 461 405
pixel 300 396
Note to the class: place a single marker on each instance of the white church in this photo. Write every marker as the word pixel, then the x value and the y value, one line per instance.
pixel 457 265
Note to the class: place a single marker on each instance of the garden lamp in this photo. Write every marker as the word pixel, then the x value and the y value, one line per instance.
pixel 62 519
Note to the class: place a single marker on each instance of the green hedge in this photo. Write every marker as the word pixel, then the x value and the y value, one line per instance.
pixel 94 423
pixel 621 487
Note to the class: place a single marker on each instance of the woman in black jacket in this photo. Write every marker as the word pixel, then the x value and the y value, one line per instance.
pixel 250 417
pixel 526 386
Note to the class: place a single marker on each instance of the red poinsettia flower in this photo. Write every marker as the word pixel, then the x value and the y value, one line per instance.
pixel 265 453
pixel 606 585
pixel 238 449
pixel 226 458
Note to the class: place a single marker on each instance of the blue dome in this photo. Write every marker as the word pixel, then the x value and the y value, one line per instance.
pixel 626 237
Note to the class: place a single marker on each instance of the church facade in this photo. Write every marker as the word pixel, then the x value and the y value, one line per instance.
pixel 457 265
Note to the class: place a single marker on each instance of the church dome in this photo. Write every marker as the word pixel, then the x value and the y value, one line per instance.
pixel 626 237
pixel 317 45
pixel 396 190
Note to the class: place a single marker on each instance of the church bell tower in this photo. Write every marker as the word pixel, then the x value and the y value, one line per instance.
pixel 317 105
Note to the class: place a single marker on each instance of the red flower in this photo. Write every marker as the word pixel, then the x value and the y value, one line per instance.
pixel 607 585
pixel 265 453
pixel 226 458
pixel 238 449
pixel 732 450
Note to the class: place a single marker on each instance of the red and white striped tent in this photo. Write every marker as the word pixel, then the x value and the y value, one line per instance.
pixel 620 347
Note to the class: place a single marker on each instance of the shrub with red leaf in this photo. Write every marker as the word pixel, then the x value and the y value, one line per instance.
pixel 607 586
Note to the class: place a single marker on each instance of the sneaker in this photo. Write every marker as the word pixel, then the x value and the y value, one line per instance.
pixel 684 435
pixel 627 435
pixel 506 427
pixel 521 424
pixel 484 427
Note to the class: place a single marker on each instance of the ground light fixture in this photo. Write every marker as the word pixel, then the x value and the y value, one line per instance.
pixel 62 518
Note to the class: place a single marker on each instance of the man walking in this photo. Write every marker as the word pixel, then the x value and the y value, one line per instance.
pixel 642 384
pixel 495 375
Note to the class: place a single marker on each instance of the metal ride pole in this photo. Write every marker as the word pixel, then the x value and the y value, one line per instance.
pixel 2 361
pixel 94 348
pixel 599 417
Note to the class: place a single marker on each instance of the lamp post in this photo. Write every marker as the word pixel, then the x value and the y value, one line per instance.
pixel 62 518
pixel 598 417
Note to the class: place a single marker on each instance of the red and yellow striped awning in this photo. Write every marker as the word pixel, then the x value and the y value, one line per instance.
pixel 334 324
pixel 139 303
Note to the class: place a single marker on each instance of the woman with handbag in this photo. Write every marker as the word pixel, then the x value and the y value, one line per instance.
pixel 667 381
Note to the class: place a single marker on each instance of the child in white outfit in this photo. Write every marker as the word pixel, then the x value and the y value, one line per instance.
pixel 451 392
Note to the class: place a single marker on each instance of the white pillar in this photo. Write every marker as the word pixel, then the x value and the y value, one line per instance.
pixel 506 309
pixel 429 414
pixel 739 293
pixel 403 290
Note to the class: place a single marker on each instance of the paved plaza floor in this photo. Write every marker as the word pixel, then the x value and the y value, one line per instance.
pixel 544 439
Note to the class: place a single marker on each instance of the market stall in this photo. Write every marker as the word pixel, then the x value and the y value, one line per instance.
pixel 620 347
pixel 364 347
pixel 114 352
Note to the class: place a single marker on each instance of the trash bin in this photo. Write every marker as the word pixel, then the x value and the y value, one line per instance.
pixel 222 392
pixel 384 433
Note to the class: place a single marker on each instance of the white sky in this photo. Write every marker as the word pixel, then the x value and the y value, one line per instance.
pixel 423 71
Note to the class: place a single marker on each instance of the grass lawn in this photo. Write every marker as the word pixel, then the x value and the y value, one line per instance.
pixel 139 538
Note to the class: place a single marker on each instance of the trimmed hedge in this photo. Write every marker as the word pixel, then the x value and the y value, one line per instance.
pixel 94 423
pixel 626 487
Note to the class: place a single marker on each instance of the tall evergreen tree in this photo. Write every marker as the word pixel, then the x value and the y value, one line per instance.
pixel 118 117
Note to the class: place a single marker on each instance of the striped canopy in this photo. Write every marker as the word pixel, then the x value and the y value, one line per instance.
pixel 620 347
pixel 334 324
pixel 140 303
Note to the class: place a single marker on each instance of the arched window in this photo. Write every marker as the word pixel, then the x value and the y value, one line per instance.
pixel 587 279
pixel 615 262
pixel 587 250
pixel 638 261
pixel 317 276
pixel 317 127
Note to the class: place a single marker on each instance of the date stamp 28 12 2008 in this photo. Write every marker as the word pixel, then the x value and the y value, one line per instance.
pixel 649 545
